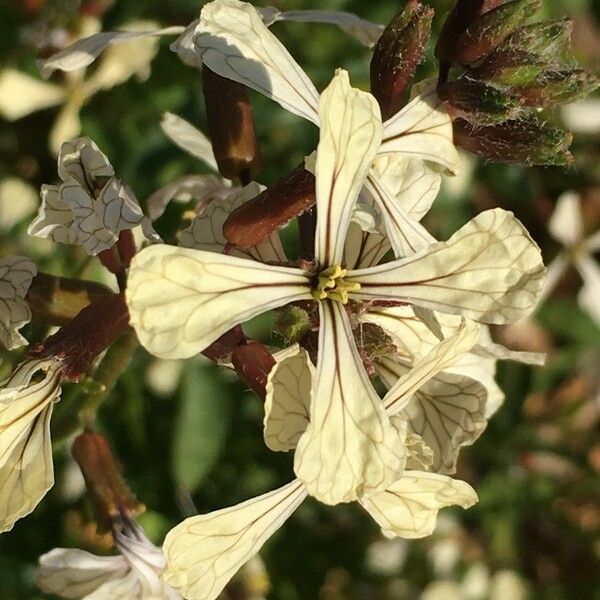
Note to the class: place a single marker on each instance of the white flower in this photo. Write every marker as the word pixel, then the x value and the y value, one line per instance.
pixel 16 275
pixel 21 94
pixel 567 227
pixel 26 471
pixel 182 300
pixel 133 575
pixel 91 207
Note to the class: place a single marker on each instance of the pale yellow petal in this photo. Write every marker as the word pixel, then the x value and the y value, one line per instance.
pixel 363 249
pixel 350 136
pixel 66 126
pixel 350 448
pixel 409 507
pixel 182 300
pixel 21 94
pixel 233 41
pixel 287 402
pixel 422 129
pixel 204 552
pixel 189 138
pixel 490 270
pixel 566 223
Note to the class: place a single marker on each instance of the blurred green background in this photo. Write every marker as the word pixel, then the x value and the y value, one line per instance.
pixel 190 435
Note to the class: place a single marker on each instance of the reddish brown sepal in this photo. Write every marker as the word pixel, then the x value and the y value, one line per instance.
pixel 258 218
pixel 253 363
pixel 110 496
pixel 85 337
pixel 222 348
pixel 397 54
pixel 230 125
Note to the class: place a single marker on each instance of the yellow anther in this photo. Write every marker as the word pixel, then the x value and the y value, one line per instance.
pixel 331 285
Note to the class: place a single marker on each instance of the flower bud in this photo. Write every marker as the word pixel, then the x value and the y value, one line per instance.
pixel 561 87
pixel 397 54
pixel 283 201
pixel 478 102
pixel 85 337
pixel 110 496
pixel 230 125
pixel 489 30
pixel 293 323
pixel 525 142
pixel 253 363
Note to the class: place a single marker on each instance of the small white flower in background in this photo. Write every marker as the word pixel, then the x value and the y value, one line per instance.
pixel 567 227
pixel 22 94
pixel 18 200
pixel 582 116
pixel 91 206
pixel 133 575
pixel 26 469
pixel 16 275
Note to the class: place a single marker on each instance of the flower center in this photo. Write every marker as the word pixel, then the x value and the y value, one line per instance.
pixel 330 284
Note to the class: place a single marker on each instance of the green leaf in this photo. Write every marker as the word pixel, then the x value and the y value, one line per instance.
pixel 202 424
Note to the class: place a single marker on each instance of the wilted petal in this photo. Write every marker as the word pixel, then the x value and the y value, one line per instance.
pixel 205 232
pixel 589 296
pixel 16 274
pixel 181 300
pixel 422 129
pixel 287 404
pixel 81 159
pixel 350 448
pixel 234 42
pixel 491 350
pixel 183 46
pixel 73 573
pixel 83 52
pixel 447 411
pixel 21 94
pixel 443 355
pixel 410 506
pixel 490 270
pixel 117 207
pixel 365 32
pixel 566 223
pixel 414 184
pixel 188 138
pixel 407 236
pixel 350 137
pixel 204 552
pixel 125 588
pixel 54 219
pixel 201 188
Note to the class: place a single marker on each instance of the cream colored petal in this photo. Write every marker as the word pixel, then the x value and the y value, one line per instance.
pixel 488 349
pixel 188 138
pixel 18 200
pixel 184 47
pixel 566 223
pixel 200 188
pixel 54 219
pixel 593 243
pixel 363 249
pixel 365 32
pixel 350 136
pixel 407 236
pixel 117 207
pixel 81 159
pixel 66 126
pixel 204 552
pixel 205 232
pixel 182 300
pixel 420 455
pixel 409 507
pixel 554 273
pixel 589 296
pixel 84 52
pixel 287 403
pixel 422 129
pixel 128 57
pixel 350 448
pixel 234 42
pixel 125 588
pixel 414 184
pixel 430 319
pixel 16 274
pixel 447 411
pixel 73 573
pixel 443 355
pixel 27 472
pixel 490 270
pixel 21 94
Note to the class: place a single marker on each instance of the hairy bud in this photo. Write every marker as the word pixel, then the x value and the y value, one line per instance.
pixel 231 125
pixel 397 54
pixel 283 201
pixel 557 87
pixel 525 142
pixel 110 496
